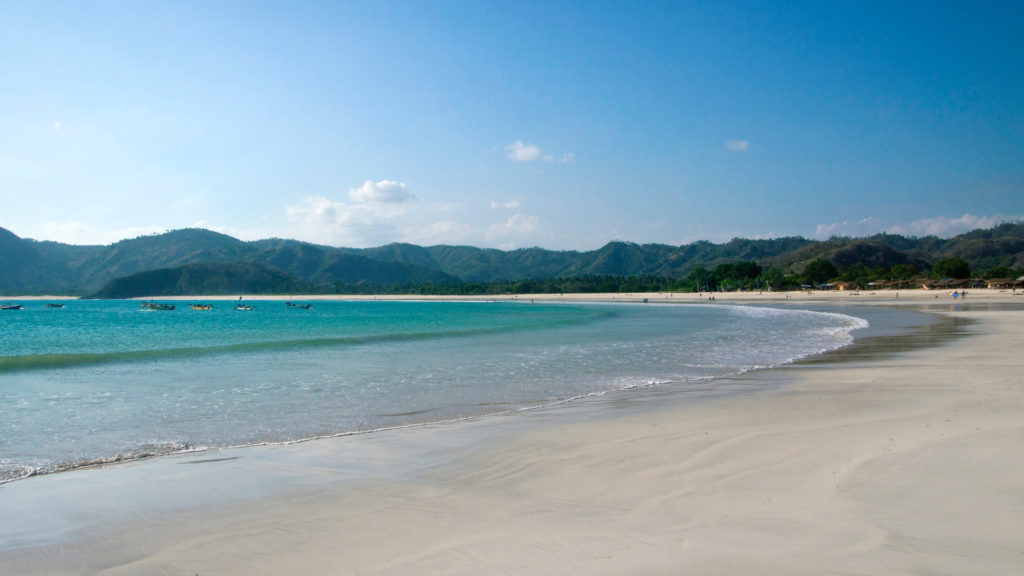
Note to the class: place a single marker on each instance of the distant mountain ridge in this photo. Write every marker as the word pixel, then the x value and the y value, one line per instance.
pixel 208 259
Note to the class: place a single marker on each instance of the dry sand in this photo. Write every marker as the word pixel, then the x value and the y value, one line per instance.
pixel 911 463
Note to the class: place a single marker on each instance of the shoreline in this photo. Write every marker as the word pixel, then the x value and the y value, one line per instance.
pixel 664 486
pixel 905 297
pixel 186 450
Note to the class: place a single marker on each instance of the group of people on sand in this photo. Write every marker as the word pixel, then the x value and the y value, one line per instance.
pixel 959 294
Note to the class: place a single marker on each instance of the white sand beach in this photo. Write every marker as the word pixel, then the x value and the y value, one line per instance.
pixel 916 295
pixel 905 463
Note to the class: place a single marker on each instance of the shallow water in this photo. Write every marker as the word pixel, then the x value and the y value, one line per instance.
pixel 104 381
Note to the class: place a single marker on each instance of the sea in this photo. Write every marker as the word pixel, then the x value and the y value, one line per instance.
pixel 99 382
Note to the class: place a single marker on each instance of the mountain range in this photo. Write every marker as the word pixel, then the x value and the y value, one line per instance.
pixel 193 261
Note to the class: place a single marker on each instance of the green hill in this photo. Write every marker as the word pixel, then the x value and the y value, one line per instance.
pixel 31 267
pixel 206 278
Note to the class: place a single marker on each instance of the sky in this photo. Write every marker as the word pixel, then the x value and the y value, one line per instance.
pixel 557 124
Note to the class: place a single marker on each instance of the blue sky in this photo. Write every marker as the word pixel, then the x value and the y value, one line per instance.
pixel 510 124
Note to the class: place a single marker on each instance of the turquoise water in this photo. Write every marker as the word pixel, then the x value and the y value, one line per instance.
pixel 101 381
pixel 99 331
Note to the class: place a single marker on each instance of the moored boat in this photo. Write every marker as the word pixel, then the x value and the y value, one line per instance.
pixel 202 306
pixel 11 307
pixel 156 306
pixel 302 306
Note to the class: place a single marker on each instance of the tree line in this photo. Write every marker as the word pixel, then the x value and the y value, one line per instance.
pixel 725 277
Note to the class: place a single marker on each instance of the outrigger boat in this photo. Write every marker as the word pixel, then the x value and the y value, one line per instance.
pixel 155 306
pixel 202 306
pixel 302 306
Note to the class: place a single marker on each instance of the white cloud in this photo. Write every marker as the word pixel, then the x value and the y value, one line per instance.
pixel 441 232
pixel 522 223
pixel 737 145
pixel 518 230
pixel 863 227
pixel 941 226
pixel 385 191
pixel 565 159
pixel 945 227
pixel 386 211
pixel 519 152
pixel 321 219
pixel 73 232
pixel 376 214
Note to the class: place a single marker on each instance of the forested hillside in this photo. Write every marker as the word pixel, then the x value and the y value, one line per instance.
pixel 194 260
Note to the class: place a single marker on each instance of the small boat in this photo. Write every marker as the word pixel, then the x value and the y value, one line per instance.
pixel 202 306
pixel 241 306
pixel 11 307
pixel 302 306
pixel 155 306
pixel 52 305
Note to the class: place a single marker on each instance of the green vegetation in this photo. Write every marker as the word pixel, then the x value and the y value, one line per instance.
pixel 819 271
pixel 200 261
pixel 952 267
pixel 205 279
